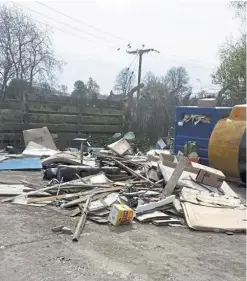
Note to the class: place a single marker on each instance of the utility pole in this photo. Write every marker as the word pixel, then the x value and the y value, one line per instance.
pixel 140 54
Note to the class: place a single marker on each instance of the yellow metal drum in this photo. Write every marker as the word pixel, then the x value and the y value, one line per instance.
pixel 227 144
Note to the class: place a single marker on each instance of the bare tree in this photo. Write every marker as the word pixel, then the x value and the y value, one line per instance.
pixel 124 81
pixel 25 49
pixel 41 60
pixel 93 88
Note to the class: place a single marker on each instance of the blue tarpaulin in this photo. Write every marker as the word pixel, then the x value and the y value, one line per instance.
pixel 27 163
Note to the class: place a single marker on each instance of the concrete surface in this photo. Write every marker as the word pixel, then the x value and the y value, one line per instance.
pixel 30 251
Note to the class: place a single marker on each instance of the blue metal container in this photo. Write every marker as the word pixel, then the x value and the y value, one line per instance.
pixel 200 132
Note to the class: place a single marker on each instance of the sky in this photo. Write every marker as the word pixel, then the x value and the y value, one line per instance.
pixel 187 33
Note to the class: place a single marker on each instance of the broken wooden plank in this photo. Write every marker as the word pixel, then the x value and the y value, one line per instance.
pixel 98 205
pixel 83 199
pixel 82 220
pixel 72 195
pixel 132 172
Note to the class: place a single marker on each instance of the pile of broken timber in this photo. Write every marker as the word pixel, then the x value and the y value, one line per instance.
pixel 162 192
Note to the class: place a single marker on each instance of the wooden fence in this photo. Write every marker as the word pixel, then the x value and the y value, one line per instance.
pixel 65 117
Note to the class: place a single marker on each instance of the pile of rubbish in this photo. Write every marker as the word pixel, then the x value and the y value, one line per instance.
pixel 116 185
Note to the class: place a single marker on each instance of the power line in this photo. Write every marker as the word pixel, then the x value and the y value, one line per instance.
pixel 88 25
pixel 70 33
pixel 73 27
pixel 140 53
pixel 185 60
pixel 91 34
pixel 134 60
pixel 98 29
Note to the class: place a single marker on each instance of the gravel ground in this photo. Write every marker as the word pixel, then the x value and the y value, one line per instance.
pixel 30 251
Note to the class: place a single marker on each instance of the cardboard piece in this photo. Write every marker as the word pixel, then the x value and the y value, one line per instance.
pixel 209 199
pixel 41 136
pixel 208 175
pixel 214 219
pixel 186 179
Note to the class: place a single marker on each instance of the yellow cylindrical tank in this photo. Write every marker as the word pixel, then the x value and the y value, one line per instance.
pixel 227 144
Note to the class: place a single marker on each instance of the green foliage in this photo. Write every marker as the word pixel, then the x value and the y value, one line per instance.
pixel 240 8
pixel 231 73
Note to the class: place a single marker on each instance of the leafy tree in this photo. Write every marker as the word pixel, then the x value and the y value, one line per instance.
pixel 240 8
pixel 80 90
pixel 231 73
pixel 92 88
pixel 124 81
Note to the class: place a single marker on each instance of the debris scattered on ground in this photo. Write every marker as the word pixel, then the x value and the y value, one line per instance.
pixel 57 228
pixel 118 185
pixel 66 230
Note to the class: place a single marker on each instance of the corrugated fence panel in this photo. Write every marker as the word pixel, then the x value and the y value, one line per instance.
pixel 62 115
